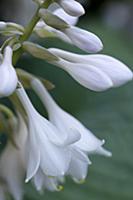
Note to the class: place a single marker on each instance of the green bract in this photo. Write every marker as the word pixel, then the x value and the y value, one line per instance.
pixel 39 51
pixel 53 20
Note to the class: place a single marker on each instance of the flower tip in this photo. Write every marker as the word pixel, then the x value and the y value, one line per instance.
pixel 26 180
pixel 96 46
pixel 104 152
pixel 60 188
pixel 81 181
pixel 2 25
pixel 72 7
pixel 128 76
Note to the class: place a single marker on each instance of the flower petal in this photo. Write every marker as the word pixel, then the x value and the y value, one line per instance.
pixel 33 159
pixel 67 18
pixel 78 169
pixel 54 159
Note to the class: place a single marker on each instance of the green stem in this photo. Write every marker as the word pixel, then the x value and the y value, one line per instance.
pixel 28 31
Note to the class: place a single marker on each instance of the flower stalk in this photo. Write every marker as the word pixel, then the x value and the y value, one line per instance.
pixel 29 30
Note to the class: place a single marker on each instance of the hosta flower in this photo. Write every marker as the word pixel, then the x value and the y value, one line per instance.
pixel 71 7
pixel 12 166
pixel 88 143
pixel 8 77
pixel 88 76
pixel 46 149
pixel 83 39
pixel 116 71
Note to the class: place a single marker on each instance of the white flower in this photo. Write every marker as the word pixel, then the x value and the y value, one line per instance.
pixel 88 143
pixel 88 76
pixel 72 7
pixel 12 166
pixel 8 77
pixel 116 71
pixel 83 39
pixel 45 147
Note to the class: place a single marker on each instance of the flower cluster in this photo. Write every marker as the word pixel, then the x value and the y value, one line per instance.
pixel 42 150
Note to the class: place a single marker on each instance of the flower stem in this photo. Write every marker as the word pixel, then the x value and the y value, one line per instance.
pixel 28 31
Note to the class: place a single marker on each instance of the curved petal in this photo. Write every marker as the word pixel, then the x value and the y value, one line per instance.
pixel 78 170
pixel 54 160
pixel 67 18
pixel 39 180
pixel 33 159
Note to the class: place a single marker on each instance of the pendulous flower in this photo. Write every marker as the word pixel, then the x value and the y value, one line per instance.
pixel 87 144
pixel 8 77
pixel 45 149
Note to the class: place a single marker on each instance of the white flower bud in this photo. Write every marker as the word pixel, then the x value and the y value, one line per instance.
pixel 72 7
pixel 71 20
pixel 85 40
pixel 87 75
pixel 2 25
pixel 8 77
pixel 117 71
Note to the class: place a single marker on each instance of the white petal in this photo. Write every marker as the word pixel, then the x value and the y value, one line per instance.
pixel 85 40
pixel 80 155
pixel 72 7
pixel 88 142
pixel 33 155
pixel 101 151
pixel 39 180
pixel 54 160
pixel 67 18
pixel 78 169
pixel 57 136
